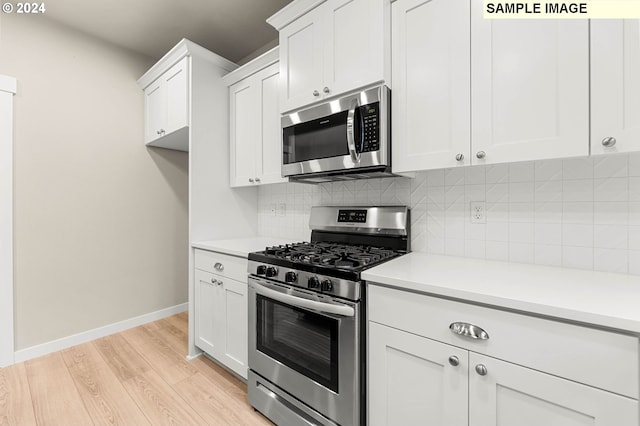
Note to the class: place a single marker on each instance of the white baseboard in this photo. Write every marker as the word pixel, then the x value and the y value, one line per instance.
pixel 96 333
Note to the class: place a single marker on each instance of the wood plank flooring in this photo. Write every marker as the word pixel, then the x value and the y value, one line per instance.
pixel 137 377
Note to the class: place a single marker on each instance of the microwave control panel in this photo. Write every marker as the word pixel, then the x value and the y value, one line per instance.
pixel 370 127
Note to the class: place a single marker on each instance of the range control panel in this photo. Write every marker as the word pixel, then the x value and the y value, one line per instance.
pixel 352 216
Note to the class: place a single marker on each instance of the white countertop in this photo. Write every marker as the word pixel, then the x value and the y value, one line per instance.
pixel 598 298
pixel 239 246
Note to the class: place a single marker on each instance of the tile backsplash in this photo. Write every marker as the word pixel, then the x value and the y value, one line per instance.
pixel 579 213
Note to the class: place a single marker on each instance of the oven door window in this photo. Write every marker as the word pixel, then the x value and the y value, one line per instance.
pixel 302 340
pixel 322 138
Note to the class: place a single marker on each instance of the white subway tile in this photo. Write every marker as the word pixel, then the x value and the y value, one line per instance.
pixel 497 250
pixel 475 231
pixel 577 168
pixel 610 236
pixel 475 175
pixel 634 189
pixel 521 172
pixel 497 173
pixel 521 192
pixel 577 257
pixel 497 193
pixel 453 195
pixel 435 178
pixel 611 189
pixel 609 166
pixel 475 249
pixel 548 234
pixel 634 164
pixel 454 227
pixel 453 177
pixel 578 213
pixel 577 190
pixel 419 243
pixel 634 262
pixel 521 212
pixel 550 255
pixel 454 247
pixel 548 212
pixel 610 260
pixel 634 237
pixel 435 195
pixel 497 231
pixel 521 232
pixel 548 170
pixel 549 190
pixel 611 213
pixel 634 213
pixel 577 235
pixel 474 193
pixel 498 212
pixel 435 245
pixel 521 253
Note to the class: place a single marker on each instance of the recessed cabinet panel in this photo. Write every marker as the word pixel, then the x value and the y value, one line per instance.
pixel 529 88
pixel 155 110
pixel 206 312
pixel 615 85
pixel 302 70
pixel 508 394
pixel 431 78
pixel 235 299
pixel 271 149
pixel 413 382
pixel 177 96
pixel 353 47
pixel 245 130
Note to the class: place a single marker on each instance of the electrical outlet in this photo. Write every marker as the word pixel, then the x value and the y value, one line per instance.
pixel 478 212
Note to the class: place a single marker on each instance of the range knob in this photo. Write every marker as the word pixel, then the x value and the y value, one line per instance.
pixel 261 270
pixel 326 285
pixel 290 277
pixel 313 282
pixel 271 271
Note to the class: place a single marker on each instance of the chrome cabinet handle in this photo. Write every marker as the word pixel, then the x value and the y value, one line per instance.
pixel 481 370
pixel 220 282
pixel 218 266
pixel 459 157
pixel 158 132
pixel 214 281
pixel 609 141
pixel 316 93
pixel 468 330
pixel 251 180
pixel 481 154
pixel 351 138
pixel 326 90
pixel 453 360
pixel 258 180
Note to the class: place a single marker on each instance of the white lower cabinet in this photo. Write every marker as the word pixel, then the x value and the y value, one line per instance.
pixel 420 373
pixel 221 309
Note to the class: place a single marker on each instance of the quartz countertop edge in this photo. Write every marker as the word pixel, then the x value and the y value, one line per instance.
pixel 603 299
pixel 240 247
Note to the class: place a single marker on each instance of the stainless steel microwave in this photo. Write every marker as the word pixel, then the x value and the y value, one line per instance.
pixel 344 138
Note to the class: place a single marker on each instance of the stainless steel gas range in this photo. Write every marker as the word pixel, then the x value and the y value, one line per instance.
pixel 307 315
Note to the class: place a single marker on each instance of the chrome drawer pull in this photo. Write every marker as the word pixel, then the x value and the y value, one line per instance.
pixel 219 266
pixel 468 330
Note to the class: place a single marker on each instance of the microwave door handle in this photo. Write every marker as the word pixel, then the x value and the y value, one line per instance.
pixel 343 310
pixel 351 137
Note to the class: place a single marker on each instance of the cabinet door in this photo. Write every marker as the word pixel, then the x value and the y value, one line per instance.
pixel 615 85
pixel 269 151
pixel 207 314
pixel 529 88
pixel 411 381
pixel 301 61
pixel 177 102
pixel 155 110
pixel 431 75
pixel 235 325
pixel 353 44
pixel 245 131
pixel 512 395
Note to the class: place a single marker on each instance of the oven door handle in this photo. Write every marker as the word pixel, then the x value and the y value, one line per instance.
pixel 343 310
pixel 351 136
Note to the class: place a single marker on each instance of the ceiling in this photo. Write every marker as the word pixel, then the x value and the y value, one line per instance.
pixel 233 29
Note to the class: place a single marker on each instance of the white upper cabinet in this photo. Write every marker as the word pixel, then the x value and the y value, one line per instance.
pixel 431 75
pixel 167 103
pixel 469 90
pixel 529 88
pixel 330 48
pixel 615 85
pixel 255 148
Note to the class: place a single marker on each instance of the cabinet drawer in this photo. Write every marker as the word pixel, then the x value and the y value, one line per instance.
pixel 230 266
pixel 603 359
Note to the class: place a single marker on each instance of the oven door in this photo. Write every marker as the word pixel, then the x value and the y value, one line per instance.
pixel 343 134
pixel 308 345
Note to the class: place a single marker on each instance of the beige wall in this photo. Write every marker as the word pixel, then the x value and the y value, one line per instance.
pixel 100 220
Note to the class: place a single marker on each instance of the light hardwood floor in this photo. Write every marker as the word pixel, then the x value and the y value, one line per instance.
pixel 137 377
